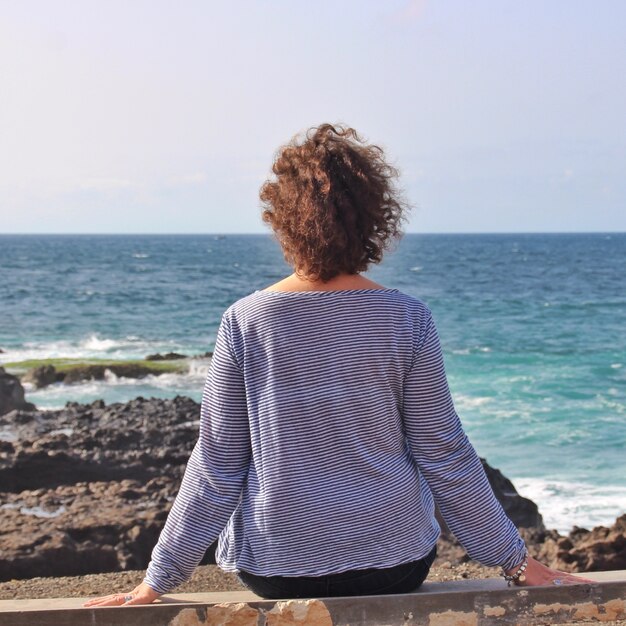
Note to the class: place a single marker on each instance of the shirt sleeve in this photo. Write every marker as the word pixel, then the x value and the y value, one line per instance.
pixel 214 477
pixel 449 463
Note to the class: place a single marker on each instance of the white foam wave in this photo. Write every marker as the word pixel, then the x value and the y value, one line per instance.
pixel 90 347
pixel 199 368
pixel 7 435
pixel 67 432
pixel 119 389
pixel 38 511
pixel 471 350
pixel 93 342
pixel 140 255
pixel 470 402
pixel 566 504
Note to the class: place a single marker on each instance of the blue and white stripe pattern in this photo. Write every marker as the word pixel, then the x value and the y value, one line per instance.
pixel 327 427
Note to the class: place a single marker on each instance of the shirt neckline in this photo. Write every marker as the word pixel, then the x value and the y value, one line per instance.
pixel 330 291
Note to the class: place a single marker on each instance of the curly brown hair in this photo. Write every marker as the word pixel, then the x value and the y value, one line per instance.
pixel 333 204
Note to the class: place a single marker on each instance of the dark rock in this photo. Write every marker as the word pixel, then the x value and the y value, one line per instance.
pixel 1 351
pixel 18 416
pixel 12 394
pixel 98 442
pixel 106 476
pixel 522 511
pixel 98 372
pixel 600 549
pixel 170 356
pixel 203 355
pixel 57 532
pixel 42 376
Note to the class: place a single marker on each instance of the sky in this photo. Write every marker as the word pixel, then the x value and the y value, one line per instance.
pixel 133 116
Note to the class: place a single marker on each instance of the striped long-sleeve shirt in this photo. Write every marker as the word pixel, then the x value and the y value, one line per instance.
pixel 327 432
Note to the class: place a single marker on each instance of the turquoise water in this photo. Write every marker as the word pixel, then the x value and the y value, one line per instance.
pixel 533 330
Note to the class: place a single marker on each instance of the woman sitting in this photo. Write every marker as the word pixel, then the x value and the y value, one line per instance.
pixel 327 428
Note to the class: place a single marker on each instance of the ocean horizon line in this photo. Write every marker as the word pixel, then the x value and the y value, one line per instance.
pixel 269 234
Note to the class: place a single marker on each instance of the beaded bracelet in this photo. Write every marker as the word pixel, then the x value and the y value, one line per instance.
pixel 516 577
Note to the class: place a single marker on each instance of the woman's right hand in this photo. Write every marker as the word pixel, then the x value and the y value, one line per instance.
pixel 141 594
pixel 538 574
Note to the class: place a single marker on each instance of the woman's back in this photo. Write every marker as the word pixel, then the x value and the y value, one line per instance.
pixel 332 483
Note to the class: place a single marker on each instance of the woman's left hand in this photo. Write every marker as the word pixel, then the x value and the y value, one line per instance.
pixel 141 594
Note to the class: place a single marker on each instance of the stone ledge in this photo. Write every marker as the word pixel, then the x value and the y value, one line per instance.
pixel 454 603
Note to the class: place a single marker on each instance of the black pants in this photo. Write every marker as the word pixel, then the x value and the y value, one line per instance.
pixel 363 582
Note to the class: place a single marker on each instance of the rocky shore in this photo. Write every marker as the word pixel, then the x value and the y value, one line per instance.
pixel 44 372
pixel 86 489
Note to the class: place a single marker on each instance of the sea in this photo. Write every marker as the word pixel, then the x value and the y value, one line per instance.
pixel 533 328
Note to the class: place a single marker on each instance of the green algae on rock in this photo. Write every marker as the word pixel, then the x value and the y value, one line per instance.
pixel 43 372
